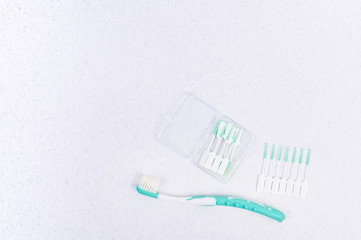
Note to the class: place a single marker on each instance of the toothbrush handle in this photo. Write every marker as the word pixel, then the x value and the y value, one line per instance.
pixel 244 204
pixel 208 200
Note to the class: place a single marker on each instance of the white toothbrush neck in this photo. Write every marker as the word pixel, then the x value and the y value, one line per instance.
pixel 172 198
pixel 209 201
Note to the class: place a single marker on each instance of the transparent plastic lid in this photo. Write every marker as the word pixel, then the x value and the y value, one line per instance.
pixel 187 126
pixel 197 131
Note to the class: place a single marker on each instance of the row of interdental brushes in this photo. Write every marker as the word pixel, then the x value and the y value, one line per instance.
pixel 226 138
pixel 284 177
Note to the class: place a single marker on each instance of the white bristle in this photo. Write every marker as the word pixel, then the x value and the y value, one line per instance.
pixel 149 184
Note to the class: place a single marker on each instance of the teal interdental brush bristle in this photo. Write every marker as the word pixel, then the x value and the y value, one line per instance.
pixel 262 176
pixel 269 177
pixel 283 181
pixel 304 185
pixel 290 180
pixel 277 178
pixel 297 185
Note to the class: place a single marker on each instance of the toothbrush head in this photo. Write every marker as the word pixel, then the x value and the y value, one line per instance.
pixel 148 186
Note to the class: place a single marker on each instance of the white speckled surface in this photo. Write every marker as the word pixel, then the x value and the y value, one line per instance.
pixel 84 85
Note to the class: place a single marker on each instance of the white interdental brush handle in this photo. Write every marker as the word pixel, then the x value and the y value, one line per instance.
pixel 220 134
pixel 282 188
pixel 228 137
pixel 290 181
pixel 297 186
pixel 269 178
pixel 236 142
pixel 206 152
pixel 276 179
pixel 204 156
pixel 225 159
pixel 219 157
pixel 231 138
pixel 262 178
pixel 304 185
pixel 263 172
pixel 209 160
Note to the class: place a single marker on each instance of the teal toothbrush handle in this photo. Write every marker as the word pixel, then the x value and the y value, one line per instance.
pixel 248 205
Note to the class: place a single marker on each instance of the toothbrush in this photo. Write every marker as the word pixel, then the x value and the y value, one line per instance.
pixel 212 155
pixel 276 178
pixel 268 181
pixel 282 188
pixel 262 176
pixel 149 187
pixel 304 185
pixel 297 185
pixel 203 158
pixel 219 157
pixel 236 142
pixel 290 181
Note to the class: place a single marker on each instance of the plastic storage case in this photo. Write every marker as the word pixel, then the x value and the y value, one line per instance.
pixel 189 129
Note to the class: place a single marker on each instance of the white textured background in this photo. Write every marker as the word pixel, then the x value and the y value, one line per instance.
pixel 85 84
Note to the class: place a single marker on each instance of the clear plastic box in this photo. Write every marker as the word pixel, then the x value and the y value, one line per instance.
pixel 189 129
